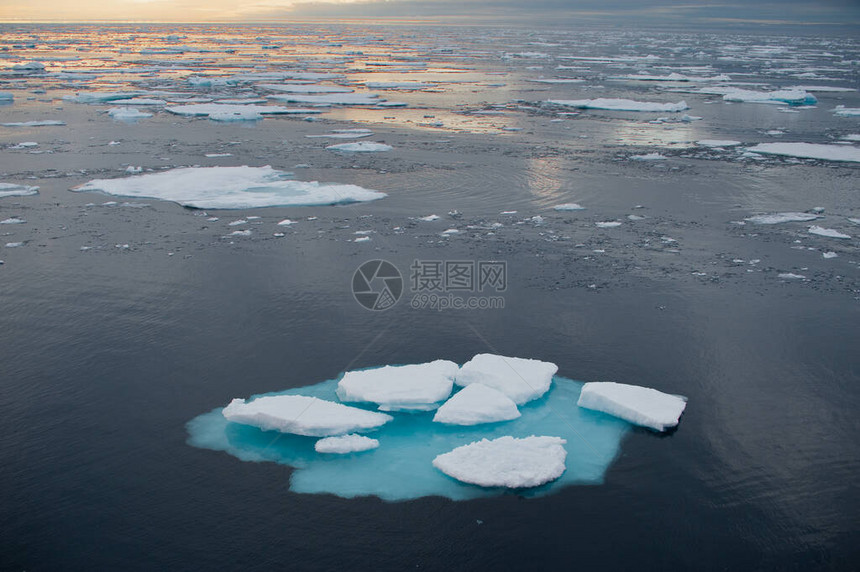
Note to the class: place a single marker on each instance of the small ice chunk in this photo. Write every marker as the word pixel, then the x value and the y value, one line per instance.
pixel 429 218
pixel 39 123
pixel 649 157
pixel 13 220
pixel 506 462
pixel 241 233
pixel 344 444
pixel 127 113
pixel 414 384
pixel 362 239
pixel 520 379
pixel 302 415
pixel 778 218
pixel 828 232
pixel 638 405
pixel 790 276
pixel 360 147
pixel 569 207
pixel 608 224
pixel 829 254
pixel 476 404
pixel 14 244
pixel 286 222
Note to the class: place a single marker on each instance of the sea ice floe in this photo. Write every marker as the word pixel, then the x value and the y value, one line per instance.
pixel 127 113
pixel 230 188
pixel 13 220
pixel 569 207
pixel 344 444
pixel 843 111
pixel 819 151
pixel 520 379
pixel 476 404
pixel 778 218
pixel 621 104
pixel 101 96
pixel 672 77
pixel 792 97
pixel 414 386
pixel 790 276
pixel 6 96
pixel 225 112
pixel 41 123
pixel 717 143
pixel 638 405
pixel 608 224
pixel 305 88
pixel 827 232
pixel 506 462
pixel 360 147
pixel 429 218
pixel 648 157
pixel 331 99
pixel 303 415
pixel 344 134
pixel 13 190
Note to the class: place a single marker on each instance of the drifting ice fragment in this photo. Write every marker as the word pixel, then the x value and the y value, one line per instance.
pixel 301 415
pixel 413 386
pixel 828 232
pixel 638 405
pixel 717 143
pixel 127 113
pixel 520 379
pixel 506 462
pixel 809 151
pixel 777 218
pixel 230 188
pixel 621 104
pixel 569 207
pixel 345 444
pixel 476 404
pixel 13 190
pixel 360 147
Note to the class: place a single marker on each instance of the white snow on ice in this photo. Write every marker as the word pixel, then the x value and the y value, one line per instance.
pixel 476 404
pixel 521 379
pixel 344 444
pixel 414 386
pixel 638 405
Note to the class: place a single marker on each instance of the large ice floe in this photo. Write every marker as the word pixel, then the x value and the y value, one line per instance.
pixel 621 105
pixel 13 190
pixel 360 147
pixel 819 151
pixel 638 405
pixel 506 462
pixel 477 444
pixel 302 415
pixel 230 188
pixel 235 112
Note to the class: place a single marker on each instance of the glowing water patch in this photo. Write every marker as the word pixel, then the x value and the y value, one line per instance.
pixel 401 468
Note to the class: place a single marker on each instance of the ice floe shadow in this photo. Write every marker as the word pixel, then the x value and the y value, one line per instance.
pixel 401 468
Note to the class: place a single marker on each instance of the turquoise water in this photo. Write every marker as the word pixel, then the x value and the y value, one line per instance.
pixel 401 467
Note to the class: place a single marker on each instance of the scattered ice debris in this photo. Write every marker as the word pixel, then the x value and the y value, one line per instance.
pixel 429 218
pixel 405 387
pixel 13 190
pixel 25 145
pixel 829 254
pixel 779 218
pixel 360 147
pixel 241 233
pixel 608 224
pixel 286 222
pixel 343 444
pixel 42 123
pixel 828 232
pixel 132 170
pixel 449 232
pixel 226 112
pixel 843 111
pixel 279 234
pixel 13 220
pixel 302 415
pixel 717 143
pixel 648 157
pixel 14 244
pixel 635 217
pixel 476 404
pixel 809 151
pixel 29 67
pixel 506 462
pixel 569 207
pixel 621 105
pixel 237 222
pixel 362 239
pixel 638 405
pixel 520 379
pixel 230 188
pixel 790 276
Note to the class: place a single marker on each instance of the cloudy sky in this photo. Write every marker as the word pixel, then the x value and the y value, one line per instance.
pixel 669 12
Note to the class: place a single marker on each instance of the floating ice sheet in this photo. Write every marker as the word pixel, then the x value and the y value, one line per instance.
pixel 345 444
pixel 506 462
pixel 621 104
pixel 402 387
pixel 778 218
pixel 13 190
pixel 401 468
pixel 235 112
pixel 819 151
pixel 520 379
pixel 476 404
pixel 302 415
pixel 638 405
pixel 360 147
pixel 230 188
